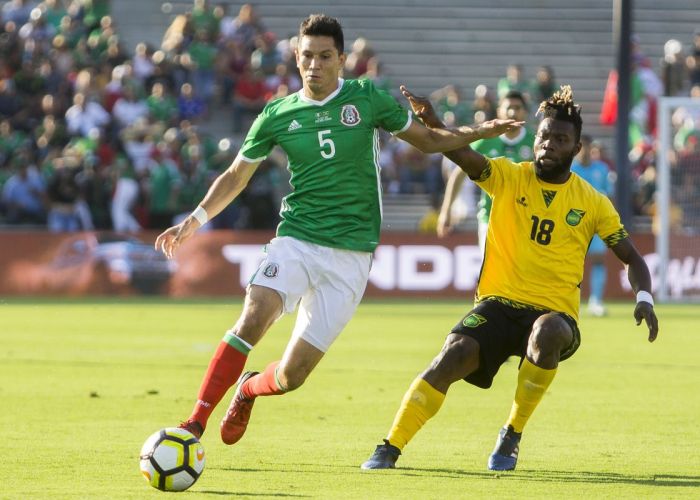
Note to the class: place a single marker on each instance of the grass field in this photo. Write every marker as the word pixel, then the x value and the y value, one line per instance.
pixel 84 383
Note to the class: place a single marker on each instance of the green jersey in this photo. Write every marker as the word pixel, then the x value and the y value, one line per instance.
pixel 332 148
pixel 516 150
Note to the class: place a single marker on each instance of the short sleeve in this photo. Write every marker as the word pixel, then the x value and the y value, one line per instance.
pixel 259 141
pixel 495 175
pixel 388 113
pixel 609 227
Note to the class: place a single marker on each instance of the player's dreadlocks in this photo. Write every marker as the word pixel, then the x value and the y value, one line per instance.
pixel 561 106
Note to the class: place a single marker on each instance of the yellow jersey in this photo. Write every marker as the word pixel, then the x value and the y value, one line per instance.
pixel 539 235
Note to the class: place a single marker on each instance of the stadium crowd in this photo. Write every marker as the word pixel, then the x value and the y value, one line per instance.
pixel 93 137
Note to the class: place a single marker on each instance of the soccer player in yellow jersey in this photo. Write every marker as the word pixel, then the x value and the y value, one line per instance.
pixel 527 299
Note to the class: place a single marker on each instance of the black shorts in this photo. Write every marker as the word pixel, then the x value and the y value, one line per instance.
pixel 502 330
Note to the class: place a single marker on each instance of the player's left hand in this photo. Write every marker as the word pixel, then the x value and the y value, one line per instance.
pixel 645 311
pixel 422 108
pixel 494 128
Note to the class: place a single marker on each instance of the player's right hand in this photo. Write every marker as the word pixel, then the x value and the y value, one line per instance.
pixel 645 311
pixel 170 239
pixel 422 108
pixel 494 128
pixel 444 225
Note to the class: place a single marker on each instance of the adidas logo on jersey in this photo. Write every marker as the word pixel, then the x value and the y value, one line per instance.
pixel 293 126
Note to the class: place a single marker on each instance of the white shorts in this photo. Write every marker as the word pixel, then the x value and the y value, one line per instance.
pixel 329 283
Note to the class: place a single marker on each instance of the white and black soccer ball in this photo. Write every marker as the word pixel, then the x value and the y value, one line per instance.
pixel 172 459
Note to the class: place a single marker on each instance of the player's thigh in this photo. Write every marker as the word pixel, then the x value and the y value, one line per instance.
pixel 332 301
pixel 500 333
pixel 261 308
pixel 284 270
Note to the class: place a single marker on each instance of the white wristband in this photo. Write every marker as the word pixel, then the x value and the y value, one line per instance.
pixel 643 296
pixel 201 215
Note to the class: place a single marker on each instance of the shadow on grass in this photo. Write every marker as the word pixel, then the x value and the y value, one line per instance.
pixel 559 476
pixel 248 494
pixel 538 475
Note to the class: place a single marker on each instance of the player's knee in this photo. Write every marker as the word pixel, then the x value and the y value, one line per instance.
pixel 458 358
pixel 550 335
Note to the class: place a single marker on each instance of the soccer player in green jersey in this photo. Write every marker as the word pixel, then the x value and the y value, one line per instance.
pixel 321 257
pixel 527 300
pixel 516 145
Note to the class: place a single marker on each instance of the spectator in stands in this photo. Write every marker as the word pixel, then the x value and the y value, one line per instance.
pixel 358 57
pixel 483 105
pixel 18 11
pixel 162 107
pixel 142 62
pixel 63 193
pixel 544 84
pixel 164 184
pixel 450 105
pixel 282 83
pixel 673 69
pixel 514 80
pixel 129 108
pixel 248 99
pixel 598 176
pixel 190 107
pixel 23 195
pixel 265 57
pixel 244 28
pixel 126 193
pixel 54 11
pixel 418 173
pixel 84 115
pixel 203 61
pixel 376 73
pixel 232 63
pixel 203 19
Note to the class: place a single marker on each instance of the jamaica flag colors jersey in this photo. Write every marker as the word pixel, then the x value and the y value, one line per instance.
pixel 333 152
pixel 517 149
pixel 539 234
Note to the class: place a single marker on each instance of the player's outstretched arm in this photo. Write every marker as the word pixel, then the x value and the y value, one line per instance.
pixel 465 157
pixel 454 183
pixel 640 279
pixel 223 190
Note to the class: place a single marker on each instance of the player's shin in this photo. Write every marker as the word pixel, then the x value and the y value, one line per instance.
pixel 421 402
pixel 224 369
pixel 533 382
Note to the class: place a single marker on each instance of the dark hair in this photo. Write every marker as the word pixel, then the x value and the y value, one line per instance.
pixel 516 94
pixel 323 25
pixel 561 106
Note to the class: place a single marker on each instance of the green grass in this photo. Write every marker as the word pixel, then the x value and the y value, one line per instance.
pixel 83 384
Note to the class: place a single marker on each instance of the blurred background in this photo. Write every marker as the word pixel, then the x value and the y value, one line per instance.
pixel 115 117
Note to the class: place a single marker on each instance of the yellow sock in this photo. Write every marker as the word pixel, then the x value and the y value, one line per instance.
pixel 420 403
pixel 533 382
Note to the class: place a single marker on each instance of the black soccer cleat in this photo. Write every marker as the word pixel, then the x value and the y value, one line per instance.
pixel 384 457
pixel 505 454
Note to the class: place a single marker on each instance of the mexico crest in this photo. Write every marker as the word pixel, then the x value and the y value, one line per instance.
pixel 574 216
pixel 271 270
pixel 349 115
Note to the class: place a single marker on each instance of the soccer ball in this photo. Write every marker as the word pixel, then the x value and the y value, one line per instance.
pixel 172 459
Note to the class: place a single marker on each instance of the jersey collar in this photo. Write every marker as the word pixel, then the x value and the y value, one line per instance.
pixel 303 97
pixel 517 139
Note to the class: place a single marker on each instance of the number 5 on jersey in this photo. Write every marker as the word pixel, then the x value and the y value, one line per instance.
pixel 326 142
